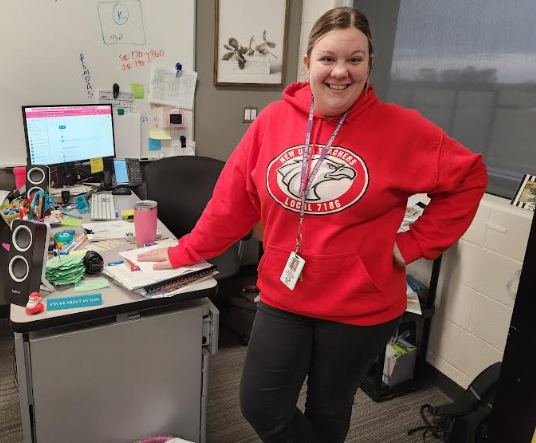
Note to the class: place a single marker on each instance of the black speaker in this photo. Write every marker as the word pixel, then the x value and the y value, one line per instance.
pixel 37 178
pixel 26 264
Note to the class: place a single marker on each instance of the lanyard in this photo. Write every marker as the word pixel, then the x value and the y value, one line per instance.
pixel 306 184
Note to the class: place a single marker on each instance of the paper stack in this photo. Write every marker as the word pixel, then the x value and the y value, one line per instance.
pixel 109 230
pixel 65 269
pixel 412 214
pixel 414 305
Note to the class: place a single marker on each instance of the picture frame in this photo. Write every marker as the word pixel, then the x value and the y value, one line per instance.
pixel 250 42
pixel 525 196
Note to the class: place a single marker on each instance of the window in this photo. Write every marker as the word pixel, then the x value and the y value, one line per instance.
pixel 470 67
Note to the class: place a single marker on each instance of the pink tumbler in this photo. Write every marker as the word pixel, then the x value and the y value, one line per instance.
pixel 145 217
pixel 20 176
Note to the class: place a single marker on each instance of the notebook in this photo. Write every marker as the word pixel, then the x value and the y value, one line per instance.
pixel 150 282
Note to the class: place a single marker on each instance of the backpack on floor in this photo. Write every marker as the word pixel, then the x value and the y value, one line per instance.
pixel 466 419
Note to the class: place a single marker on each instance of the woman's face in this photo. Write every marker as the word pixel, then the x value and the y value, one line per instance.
pixel 338 70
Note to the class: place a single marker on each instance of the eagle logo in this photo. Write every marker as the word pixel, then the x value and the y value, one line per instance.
pixel 329 170
pixel 341 180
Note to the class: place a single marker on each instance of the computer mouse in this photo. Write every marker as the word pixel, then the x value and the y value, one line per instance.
pixel 121 191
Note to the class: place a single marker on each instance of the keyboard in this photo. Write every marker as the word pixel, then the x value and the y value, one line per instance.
pixel 103 206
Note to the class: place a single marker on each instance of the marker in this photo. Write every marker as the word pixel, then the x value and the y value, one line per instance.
pixel 70 214
pixel 115 263
pixel 116 213
pixel 74 244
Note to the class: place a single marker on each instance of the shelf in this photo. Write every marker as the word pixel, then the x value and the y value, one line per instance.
pixel 373 384
pixel 386 392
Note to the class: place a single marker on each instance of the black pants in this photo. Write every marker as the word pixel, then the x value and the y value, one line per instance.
pixel 285 348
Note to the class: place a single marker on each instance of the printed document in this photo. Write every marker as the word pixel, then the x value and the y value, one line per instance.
pixel 168 89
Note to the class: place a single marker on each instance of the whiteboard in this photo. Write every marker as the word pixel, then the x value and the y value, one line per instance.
pixel 64 51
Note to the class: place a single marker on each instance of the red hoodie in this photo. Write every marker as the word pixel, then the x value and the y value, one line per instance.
pixel 382 155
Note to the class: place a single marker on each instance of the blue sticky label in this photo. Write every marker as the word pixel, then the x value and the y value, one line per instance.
pixel 155 145
pixel 79 301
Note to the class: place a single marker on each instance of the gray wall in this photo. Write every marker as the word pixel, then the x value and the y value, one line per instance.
pixel 218 109
pixel 382 16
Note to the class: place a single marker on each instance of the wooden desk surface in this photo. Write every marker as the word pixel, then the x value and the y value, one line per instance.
pixel 115 299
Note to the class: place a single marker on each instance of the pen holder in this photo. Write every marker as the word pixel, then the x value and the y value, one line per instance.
pixel 145 217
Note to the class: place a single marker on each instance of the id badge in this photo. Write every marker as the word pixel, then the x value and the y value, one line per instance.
pixel 292 270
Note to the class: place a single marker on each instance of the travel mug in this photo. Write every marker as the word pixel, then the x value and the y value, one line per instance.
pixel 145 217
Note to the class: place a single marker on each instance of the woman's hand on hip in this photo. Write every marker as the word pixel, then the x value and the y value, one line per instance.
pixel 160 256
pixel 397 256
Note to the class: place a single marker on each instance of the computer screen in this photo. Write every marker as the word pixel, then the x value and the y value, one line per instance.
pixel 121 172
pixel 68 133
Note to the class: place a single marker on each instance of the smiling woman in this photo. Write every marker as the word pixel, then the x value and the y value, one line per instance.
pixel 328 170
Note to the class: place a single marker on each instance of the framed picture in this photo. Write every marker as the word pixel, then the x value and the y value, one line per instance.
pixel 525 196
pixel 250 42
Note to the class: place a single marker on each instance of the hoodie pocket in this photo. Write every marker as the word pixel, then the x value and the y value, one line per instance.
pixel 345 272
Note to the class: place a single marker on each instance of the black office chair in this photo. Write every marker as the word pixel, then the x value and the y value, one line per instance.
pixel 182 187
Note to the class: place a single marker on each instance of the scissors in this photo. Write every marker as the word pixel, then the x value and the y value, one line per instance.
pixel 48 201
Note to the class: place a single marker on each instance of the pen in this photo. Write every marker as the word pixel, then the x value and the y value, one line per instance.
pixel 116 213
pixel 115 263
pixel 70 214
pixel 74 244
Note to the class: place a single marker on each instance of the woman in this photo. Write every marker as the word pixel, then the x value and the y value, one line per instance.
pixel 328 170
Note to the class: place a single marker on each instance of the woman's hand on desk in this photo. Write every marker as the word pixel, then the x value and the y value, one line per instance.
pixel 160 256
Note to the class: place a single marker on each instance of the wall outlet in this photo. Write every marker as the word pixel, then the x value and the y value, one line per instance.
pixel 250 113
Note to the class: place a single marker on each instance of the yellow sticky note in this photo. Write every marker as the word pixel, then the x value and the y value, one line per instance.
pixel 137 90
pixel 160 134
pixel 96 165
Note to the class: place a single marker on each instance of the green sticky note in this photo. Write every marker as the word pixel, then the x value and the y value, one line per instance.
pixel 137 90
pixel 71 222
pixel 91 284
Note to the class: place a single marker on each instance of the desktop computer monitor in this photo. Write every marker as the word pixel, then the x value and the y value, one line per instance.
pixel 68 133
pixel 62 134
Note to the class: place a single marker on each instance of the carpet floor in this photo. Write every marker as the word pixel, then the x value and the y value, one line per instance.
pixel 385 422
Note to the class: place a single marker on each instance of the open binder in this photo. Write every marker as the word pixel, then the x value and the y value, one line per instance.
pixel 157 283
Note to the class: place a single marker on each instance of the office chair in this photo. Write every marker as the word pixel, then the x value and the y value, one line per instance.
pixel 182 186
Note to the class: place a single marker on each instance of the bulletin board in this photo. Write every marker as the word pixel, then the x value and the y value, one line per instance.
pixel 64 51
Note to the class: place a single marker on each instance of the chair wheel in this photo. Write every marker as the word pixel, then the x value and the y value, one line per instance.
pixel 244 340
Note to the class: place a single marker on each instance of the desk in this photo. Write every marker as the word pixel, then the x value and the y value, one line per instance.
pixel 128 369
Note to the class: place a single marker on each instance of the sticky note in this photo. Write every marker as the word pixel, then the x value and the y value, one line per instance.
pixel 155 145
pixel 137 90
pixel 97 165
pixel 160 134
pixel 71 222
pixel 91 284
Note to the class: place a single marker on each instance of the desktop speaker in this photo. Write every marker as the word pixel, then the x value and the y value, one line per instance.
pixel 26 263
pixel 37 178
